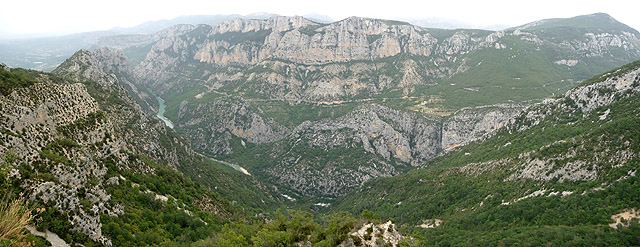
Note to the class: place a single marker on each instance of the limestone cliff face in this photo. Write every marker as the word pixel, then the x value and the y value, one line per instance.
pixel 470 124
pixel 162 60
pixel 409 137
pixel 331 157
pixel 111 69
pixel 293 58
pixel 33 121
pixel 299 40
pixel 381 141
pixel 232 117
pixel 275 24
pixel 308 46
pixel 353 61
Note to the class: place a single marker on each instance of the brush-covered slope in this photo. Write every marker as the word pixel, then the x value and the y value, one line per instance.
pixel 63 146
pixel 563 172
pixel 80 147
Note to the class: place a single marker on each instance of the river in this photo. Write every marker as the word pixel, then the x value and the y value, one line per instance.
pixel 161 111
pixel 168 122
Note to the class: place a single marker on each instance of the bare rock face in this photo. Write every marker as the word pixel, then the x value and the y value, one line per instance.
pixel 232 46
pixel 250 50
pixel 85 65
pixel 355 60
pixel 371 234
pixel 63 130
pixel 373 141
pixel 299 40
pixel 470 124
pixel 358 59
pixel 232 116
pixel 582 100
pixel 111 69
pixel 42 113
pixel 405 136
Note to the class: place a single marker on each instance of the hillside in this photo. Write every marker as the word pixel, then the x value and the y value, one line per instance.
pixel 558 173
pixel 362 98
pixel 360 132
pixel 81 147
pixel 99 172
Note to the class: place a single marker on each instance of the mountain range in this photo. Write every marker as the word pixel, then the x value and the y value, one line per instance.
pixel 453 137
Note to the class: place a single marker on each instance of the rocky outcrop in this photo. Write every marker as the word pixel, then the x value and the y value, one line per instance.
pixel 583 157
pixel 330 157
pixel 295 59
pixel 406 136
pixel 111 69
pixel 63 132
pixel 470 124
pixel 212 133
pixel 305 44
pixel 352 61
pixel 371 234
pixel 576 104
pixel 33 121
pixel 582 100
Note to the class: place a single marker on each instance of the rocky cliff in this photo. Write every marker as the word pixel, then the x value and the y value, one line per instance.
pixel 110 69
pixel 330 157
pixel 59 133
pixel 470 124
pixel 69 139
pixel 221 84
pixel 212 125
pixel 578 152
pixel 296 59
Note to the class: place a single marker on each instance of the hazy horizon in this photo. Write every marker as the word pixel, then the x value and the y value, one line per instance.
pixel 33 18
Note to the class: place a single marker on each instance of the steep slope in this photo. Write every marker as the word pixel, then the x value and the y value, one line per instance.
pixel 60 148
pixel 87 153
pixel 108 69
pixel 252 84
pixel 298 60
pixel 243 90
pixel 146 135
pixel 559 172
pixel 332 156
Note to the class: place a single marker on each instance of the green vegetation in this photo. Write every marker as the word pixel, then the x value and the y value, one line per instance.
pixel 244 191
pixel 599 21
pixel 292 115
pixel 290 228
pixel 16 212
pixel 191 212
pixel 472 189
pixel 15 78
pixel 479 191
pixel 315 158
pixel 614 73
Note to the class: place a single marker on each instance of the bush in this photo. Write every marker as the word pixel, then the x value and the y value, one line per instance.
pixel 14 217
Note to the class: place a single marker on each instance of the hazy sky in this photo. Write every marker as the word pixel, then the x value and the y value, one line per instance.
pixel 66 16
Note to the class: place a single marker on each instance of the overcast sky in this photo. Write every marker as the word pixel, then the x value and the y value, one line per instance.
pixel 68 16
